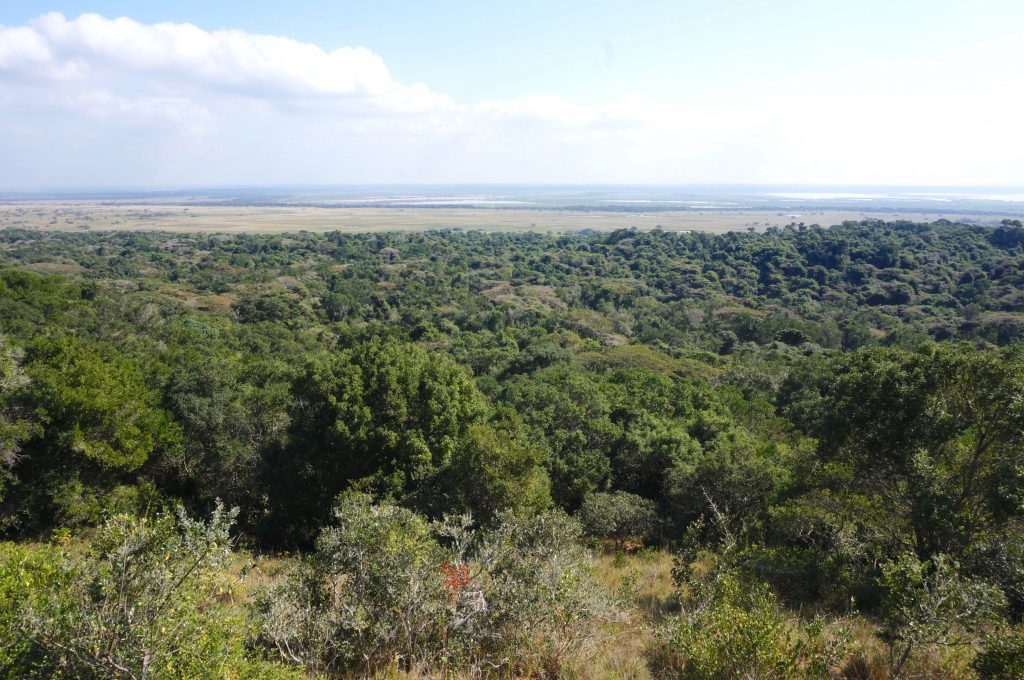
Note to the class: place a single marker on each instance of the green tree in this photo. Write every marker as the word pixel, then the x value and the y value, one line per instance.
pixel 96 408
pixel 618 516
pixel 233 415
pixel 569 412
pixel 99 424
pixel 496 468
pixel 16 422
pixel 934 435
pixel 386 416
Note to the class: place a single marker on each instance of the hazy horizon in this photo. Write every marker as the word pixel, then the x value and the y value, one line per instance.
pixel 314 186
pixel 795 201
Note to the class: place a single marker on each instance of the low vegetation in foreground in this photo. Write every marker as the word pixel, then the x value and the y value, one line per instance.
pixel 794 454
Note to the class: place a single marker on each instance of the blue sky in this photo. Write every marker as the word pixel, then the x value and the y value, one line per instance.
pixel 897 92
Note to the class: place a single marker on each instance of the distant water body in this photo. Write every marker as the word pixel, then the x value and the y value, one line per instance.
pixel 627 198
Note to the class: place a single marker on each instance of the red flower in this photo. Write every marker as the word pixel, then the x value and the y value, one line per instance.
pixel 456 578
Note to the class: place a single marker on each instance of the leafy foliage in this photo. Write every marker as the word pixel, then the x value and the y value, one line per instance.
pixel 143 602
pixel 731 630
pixel 1002 657
pixel 618 515
pixel 930 603
pixel 385 585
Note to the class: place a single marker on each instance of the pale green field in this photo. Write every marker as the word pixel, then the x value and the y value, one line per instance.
pixel 68 216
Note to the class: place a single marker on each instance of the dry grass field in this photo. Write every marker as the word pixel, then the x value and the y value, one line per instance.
pixel 68 216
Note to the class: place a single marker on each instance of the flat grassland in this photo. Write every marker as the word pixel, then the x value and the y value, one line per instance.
pixel 99 216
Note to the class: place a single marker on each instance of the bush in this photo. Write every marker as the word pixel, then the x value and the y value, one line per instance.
pixel 618 516
pixel 543 604
pixel 24 570
pixel 1002 657
pixel 387 589
pixel 931 603
pixel 730 630
pixel 144 601
pixel 372 592
pixel 999 560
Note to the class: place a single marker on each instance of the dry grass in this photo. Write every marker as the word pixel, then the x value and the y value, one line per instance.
pixel 642 582
pixel 643 579
pixel 249 575
pixel 93 216
pixel 869 660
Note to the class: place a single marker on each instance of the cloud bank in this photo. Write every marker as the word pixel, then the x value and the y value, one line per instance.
pixel 94 101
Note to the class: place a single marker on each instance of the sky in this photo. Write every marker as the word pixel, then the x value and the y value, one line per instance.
pixel 227 93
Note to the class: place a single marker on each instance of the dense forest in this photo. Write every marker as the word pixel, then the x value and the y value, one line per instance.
pixel 789 454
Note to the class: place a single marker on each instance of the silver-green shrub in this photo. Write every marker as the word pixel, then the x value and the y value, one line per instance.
pixel 387 590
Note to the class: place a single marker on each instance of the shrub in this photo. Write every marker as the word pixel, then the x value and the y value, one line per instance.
pixel 387 589
pixel 372 592
pixel 543 604
pixel 731 630
pixel 24 571
pixel 143 601
pixel 999 560
pixel 1002 657
pixel 618 516
pixel 931 603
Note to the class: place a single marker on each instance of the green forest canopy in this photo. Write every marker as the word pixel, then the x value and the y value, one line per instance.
pixel 810 402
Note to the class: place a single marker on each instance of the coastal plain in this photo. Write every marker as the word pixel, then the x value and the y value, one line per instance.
pixel 196 217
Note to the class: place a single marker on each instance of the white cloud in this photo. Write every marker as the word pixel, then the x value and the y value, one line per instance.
pixel 21 46
pixel 543 109
pixel 95 51
pixel 94 100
